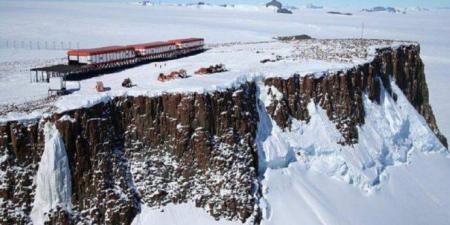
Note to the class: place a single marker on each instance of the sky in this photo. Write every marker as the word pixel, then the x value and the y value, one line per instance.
pixel 328 3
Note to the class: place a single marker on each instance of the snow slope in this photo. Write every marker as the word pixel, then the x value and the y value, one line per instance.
pixel 310 179
pixel 416 193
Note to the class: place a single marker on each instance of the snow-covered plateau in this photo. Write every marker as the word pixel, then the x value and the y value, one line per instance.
pixel 331 130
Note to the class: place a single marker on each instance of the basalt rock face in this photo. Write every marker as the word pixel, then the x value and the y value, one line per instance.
pixel 341 93
pixel 21 147
pixel 102 190
pixel 168 149
pixel 197 147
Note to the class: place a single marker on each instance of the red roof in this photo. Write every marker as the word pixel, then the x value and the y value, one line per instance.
pixel 151 45
pixel 186 40
pixel 97 51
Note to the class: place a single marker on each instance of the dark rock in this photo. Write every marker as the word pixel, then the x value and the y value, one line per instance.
pixel 176 148
pixel 294 38
pixel 275 4
pixel 284 11
pixel 339 13
pixel 340 94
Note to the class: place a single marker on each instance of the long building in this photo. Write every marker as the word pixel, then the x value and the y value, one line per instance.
pixel 94 61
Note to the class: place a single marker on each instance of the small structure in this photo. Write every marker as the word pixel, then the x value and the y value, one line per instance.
pixel 127 83
pixel 43 74
pixel 99 87
pixel 57 85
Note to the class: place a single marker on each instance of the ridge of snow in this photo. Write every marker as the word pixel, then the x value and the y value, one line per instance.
pixel 53 180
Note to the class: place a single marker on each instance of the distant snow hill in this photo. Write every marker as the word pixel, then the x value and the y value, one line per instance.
pixel 396 10
pixel 382 9
pixel 312 6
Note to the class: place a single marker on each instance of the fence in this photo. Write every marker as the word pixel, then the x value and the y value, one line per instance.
pixel 38 45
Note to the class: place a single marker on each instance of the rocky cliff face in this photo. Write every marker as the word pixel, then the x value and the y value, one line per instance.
pixel 167 149
pixel 188 147
pixel 340 93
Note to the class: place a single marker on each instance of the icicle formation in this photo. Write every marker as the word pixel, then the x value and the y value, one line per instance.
pixel 53 182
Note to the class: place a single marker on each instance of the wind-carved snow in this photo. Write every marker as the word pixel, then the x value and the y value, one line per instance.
pixel 53 181
pixel 295 165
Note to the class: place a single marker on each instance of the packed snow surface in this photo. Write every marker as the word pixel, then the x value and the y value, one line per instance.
pixel 53 181
pixel 180 214
pixel 244 62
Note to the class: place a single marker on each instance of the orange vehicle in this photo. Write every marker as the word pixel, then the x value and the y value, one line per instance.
pixel 219 68
pixel 172 75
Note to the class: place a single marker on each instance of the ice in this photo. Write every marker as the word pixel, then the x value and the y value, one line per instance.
pixel 384 168
pixel 53 180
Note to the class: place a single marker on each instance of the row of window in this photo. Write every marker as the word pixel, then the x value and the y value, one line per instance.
pixel 113 56
pixel 191 44
pixel 157 50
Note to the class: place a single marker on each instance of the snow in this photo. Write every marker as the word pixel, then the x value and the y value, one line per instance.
pixel 34 21
pixel 180 214
pixel 384 168
pixel 243 60
pixel 396 174
pixel 53 181
pixel 416 193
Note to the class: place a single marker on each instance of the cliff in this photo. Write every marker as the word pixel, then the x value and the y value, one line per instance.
pixel 176 148
pixel 340 93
